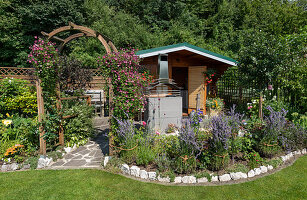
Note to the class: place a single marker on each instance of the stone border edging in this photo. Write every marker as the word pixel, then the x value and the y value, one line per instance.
pixel 136 172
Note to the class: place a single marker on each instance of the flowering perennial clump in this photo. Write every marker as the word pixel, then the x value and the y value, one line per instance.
pixel 13 150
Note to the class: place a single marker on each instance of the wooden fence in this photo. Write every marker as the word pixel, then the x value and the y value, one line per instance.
pixel 97 82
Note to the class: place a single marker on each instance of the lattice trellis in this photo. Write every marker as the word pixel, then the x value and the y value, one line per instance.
pixel 16 71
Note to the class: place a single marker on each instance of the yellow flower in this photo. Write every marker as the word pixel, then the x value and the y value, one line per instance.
pixel 6 122
pixel 7 115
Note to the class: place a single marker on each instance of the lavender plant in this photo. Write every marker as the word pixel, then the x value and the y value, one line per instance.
pixel 126 139
pixel 196 118
pixel 294 137
pixel 218 143
pixel 235 121
pixel 188 139
pixel 221 132
pixel 275 124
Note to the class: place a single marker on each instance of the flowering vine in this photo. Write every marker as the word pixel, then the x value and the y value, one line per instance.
pixel 209 75
pixel 44 57
pixel 128 80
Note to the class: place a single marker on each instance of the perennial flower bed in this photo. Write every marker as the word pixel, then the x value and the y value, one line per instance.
pixel 229 142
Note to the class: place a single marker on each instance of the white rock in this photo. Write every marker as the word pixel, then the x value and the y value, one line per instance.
pixel 106 160
pixel 303 151
pixel 143 174
pixel 48 161
pixel 164 179
pixel 257 171
pixel 283 158
pixel 202 180
pixel 189 179
pixel 67 149
pixel 135 171
pixel 298 152
pixel 152 176
pixel 125 169
pixel 235 176
pixel 243 175
pixel 251 173
pixel 43 162
pixel 5 167
pixel 178 179
pixel 270 167
pixel 290 155
pixel 27 166
pixel 214 178
pixel 225 177
pixel 14 166
pixel 263 169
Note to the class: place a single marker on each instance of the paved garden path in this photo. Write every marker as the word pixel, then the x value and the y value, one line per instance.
pixel 90 155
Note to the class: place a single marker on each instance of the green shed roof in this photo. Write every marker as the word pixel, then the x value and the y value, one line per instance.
pixel 188 47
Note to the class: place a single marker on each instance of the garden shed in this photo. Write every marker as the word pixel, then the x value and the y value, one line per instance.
pixel 186 65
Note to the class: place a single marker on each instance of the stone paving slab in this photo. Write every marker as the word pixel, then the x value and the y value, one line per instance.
pixel 88 156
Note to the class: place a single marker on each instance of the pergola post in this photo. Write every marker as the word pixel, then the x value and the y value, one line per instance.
pixel 41 110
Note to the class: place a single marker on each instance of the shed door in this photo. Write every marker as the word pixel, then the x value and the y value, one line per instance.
pixel 196 86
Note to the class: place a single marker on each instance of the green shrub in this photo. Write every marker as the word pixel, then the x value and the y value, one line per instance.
pixel 145 153
pixel 55 155
pixel 268 148
pixel 17 97
pixel 114 164
pixel 274 162
pixel 182 166
pixel 300 119
pixel 237 168
pixel 169 174
pixel 254 159
pixel 203 174
pixel 79 128
pixel 33 161
pixel 163 163
pixel 218 162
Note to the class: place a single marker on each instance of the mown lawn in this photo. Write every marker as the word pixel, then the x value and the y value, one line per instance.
pixel 289 183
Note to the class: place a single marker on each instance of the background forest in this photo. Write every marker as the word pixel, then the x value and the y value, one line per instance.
pixel 217 25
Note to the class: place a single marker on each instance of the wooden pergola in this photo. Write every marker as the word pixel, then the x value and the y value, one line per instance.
pixel 82 32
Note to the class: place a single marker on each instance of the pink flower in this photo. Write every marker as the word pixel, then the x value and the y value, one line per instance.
pixel 157 133
pixel 144 123
pixel 249 107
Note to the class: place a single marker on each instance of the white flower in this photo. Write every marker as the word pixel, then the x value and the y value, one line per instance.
pixel 6 122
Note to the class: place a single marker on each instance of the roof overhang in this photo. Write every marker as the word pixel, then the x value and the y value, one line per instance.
pixel 188 47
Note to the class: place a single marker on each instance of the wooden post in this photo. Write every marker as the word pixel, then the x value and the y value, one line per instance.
pixel 88 101
pixel 59 107
pixel 40 109
pixel 110 117
pixel 205 98
pixel 240 94
pixel 260 106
